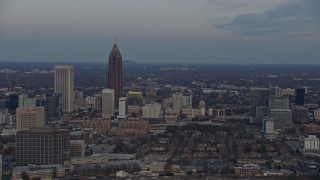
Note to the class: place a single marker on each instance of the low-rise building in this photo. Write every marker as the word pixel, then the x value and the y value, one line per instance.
pixel 248 170
pixel 191 113
pixel 312 128
pixel 101 126
pixel 133 127
pixel 42 172
pixel 151 111
pixel 77 148
pixel 89 160
pixel 94 102
pixel 311 143
pixel 170 119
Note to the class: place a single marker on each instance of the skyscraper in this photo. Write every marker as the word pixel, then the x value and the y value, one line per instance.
pixel 123 107
pixel 64 84
pixel 300 92
pixel 115 73
pixel 258 97
pixel 107 103
pixel 52 106
pixel 177 100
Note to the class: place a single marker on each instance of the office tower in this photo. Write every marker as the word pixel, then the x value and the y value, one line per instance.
pixel 123 108
pixel 64 84
pixel 177 102
pixel 29 118
pixel 300 114
pixel 25 101
pixel 187 101
pixel 12 103
pixel 258 97
pixel 115 73
pixel 278 102
pixel 42 146
pixel 79 100
pixel 53 106
pixel 275 91
pixel 261 112
pixel 300 92
pixel 108 103
pixel 268 128
pixel 282 118
pixel 77 148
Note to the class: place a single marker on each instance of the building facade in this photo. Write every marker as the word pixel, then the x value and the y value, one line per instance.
pixel 115 73
pixel 268 128
pixel 27 118
pixel 258 97
pixel 42 146
pixel 300 114
pixel 93 102
pixel 311 143
pixel 123 108
pixel 53 106
pixel 276 102
pixel 108 103
pixel 77 148
pixel 133 127
pixel 177 100
pixel 299 99
pixel 151 111
pixel 64 84
pixel 282 118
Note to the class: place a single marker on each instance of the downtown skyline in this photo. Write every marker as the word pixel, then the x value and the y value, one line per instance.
pixel 205 32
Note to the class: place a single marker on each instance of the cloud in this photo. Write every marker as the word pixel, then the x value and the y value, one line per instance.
pixel 293 18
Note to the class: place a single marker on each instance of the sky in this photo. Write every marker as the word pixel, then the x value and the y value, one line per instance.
pixel 161 31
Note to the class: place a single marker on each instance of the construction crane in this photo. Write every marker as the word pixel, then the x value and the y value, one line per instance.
pixel 10 88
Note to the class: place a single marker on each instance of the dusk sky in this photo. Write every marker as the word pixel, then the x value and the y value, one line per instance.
pixel 161 31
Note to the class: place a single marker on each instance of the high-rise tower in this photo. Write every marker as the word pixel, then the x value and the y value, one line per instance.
pixel 115 73
pixel 300 92
pixel 63 83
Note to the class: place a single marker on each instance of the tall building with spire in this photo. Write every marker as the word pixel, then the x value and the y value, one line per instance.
pixel 115 73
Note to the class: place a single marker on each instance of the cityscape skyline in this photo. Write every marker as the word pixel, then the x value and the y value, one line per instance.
pixel 206 32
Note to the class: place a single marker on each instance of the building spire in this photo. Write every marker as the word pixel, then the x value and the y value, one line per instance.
pixel 115 40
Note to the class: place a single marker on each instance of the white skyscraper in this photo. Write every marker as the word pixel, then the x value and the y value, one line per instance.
pixel 123 107
pixel 107 103
pixel 64 84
